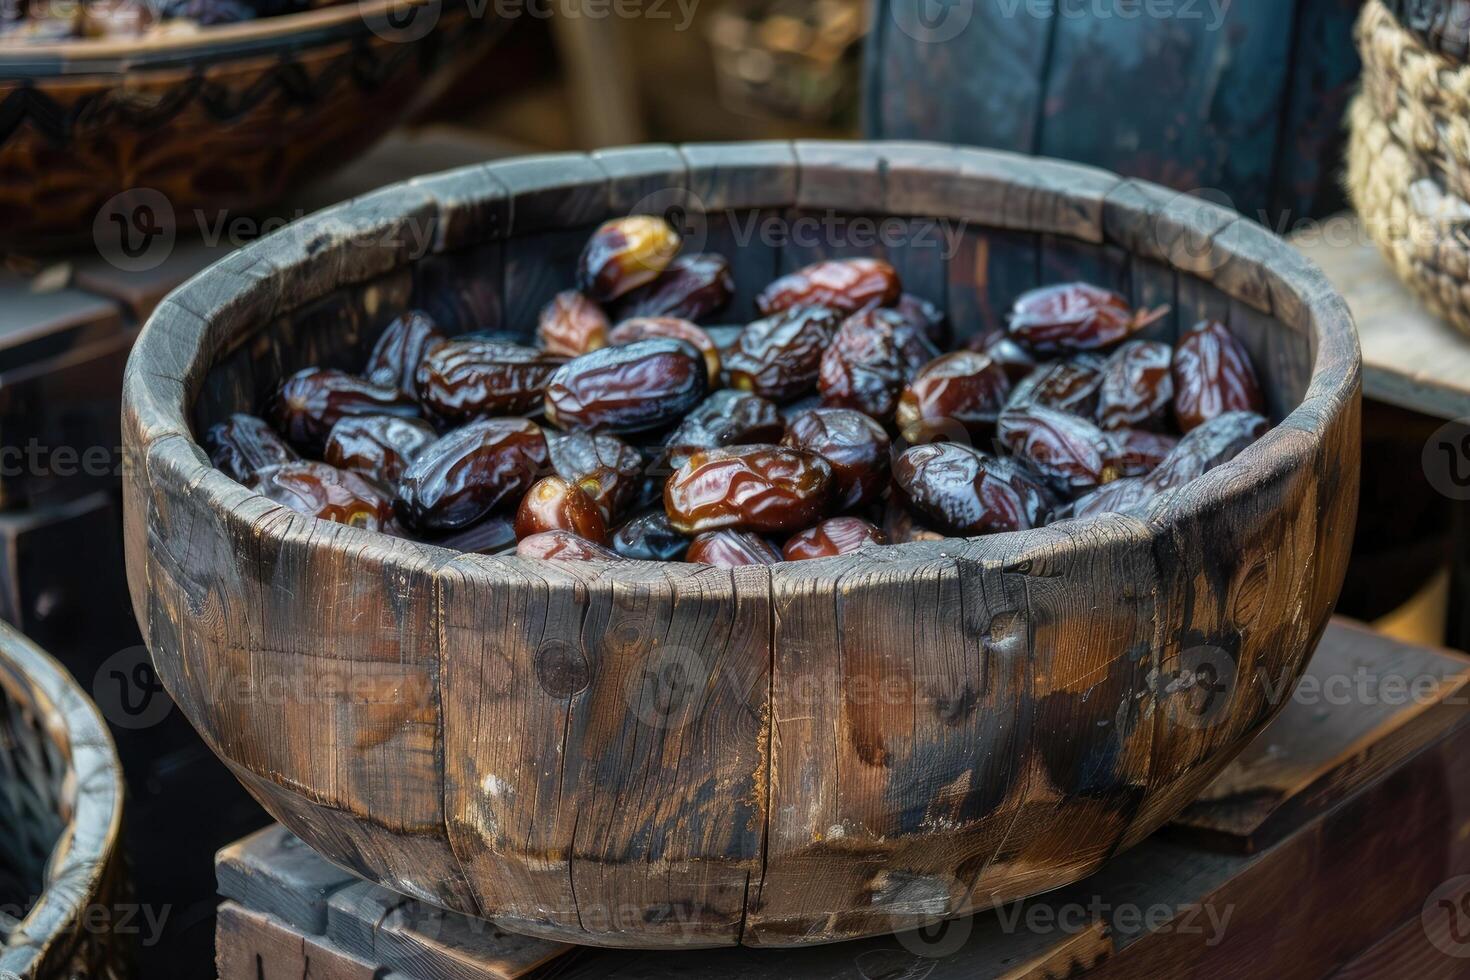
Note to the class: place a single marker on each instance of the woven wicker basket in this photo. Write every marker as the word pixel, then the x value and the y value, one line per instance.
pixel 1409 161
pixel 61 875
pixel 1441 25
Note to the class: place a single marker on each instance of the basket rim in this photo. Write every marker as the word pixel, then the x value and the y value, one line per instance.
pixel 82 852
pixel 282 271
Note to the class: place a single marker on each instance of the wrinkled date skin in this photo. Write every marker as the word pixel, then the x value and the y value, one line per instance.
pixel 726 418
pixel 768 489
pixel 874 353
pixel 1213 375
pixel 1068 386
pixel 468 379
pixel 400 350
pixel 843 285
pixel 1014 359
pixel 571 325
pixel 834 536
pixel 315 399
pixel 855 446
pixel 553 504
pixel 564 546
pixel 644 385
pixel 1075 316
pixel 325 492
pixel 691 288
pixel 731 549
pixel 1066 449
pixel 469 473
pixel 379 447
pixel 963 386
pixel 924 316
pixel 243 445
pixel 1137 386
pixel 650 537
pixel 960 490
pixel 644 328
pixel 603 466
pixel 1137 452
pixel 624 254
pixel 778 357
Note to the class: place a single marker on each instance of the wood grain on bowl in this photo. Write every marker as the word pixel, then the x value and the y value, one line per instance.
pixel 640 754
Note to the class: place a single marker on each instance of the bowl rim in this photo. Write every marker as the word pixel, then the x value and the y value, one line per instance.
pixel 231 299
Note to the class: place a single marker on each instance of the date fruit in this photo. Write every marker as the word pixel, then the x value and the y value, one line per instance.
pixel 400 350
pixel 843 285
pixel 314 399
pixel 854 446
pixel 834 536
pixel 243 445
pixel 1066 449
pixel 571 325
pixel 379 447
pixel 650 537
pixel 644 385
pixel 873 354
pixel 928 318
pixel 778 357
pixel 1207 446
pixel 901 527
pixel 325 492
pixel 964 386
pixel 554 504
pixel 605 468
pixel 731 549
pixel 725 418
pixel 691 288
pixel 644 328
pixel 1075 316
pixel 1137 386
pixel 769 489
pixel 624 254
pixel 465 380
pixel 1137 452
pixel 564 546
pixel 470 472
pixel 1213 375
pixel 959 490
pixel 1014 359
pixel 1068 386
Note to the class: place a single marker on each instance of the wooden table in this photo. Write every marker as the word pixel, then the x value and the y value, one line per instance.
pixel 1325 849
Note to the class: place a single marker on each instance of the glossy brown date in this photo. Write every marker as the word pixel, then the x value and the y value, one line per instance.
pixel 873 354
pixel 1075 316
pixel 314 399
pixel 644 385
pixel 325 492
pixel 1137 386
pixel 1068 450
pixel 900 526
pixel 962 386
pixel 843 285
pixel 243 445
pixel 691 288
pixel 603 466
pixel 554 504
pixel 645 328
pixel 726 418
pixel 650 537
pixel 1213 375
pixel 834 536
pixel 400 349
pixel 470 472
pixel 564 546
pixel 778 357
pixel 1136 452
pixel 465 380
pixel 624 254
pixel 855 446
pixel 731 549
pixel 1068 386
pixel 1014 359
pixel 769 489
pixel 959 490
pixel 571 325
pixel 925 316
pixel 379 447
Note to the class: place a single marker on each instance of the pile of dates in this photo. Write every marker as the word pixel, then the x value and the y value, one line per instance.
pixel 833 423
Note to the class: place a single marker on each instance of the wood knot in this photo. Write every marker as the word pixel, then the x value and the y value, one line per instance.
pixel 562 669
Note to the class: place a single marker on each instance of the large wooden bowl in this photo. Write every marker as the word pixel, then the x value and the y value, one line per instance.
pixel 228 118
pixel 670 754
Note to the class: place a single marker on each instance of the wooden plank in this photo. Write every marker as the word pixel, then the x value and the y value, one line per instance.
pixel 252 945
pixel 990 268
pixel 272 871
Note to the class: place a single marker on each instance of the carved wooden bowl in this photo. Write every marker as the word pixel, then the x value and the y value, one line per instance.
pixel 231 117
pixel 667 754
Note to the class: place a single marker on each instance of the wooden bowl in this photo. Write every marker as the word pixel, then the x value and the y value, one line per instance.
pixel 668 754
pixel 230 117
pixel 61 802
